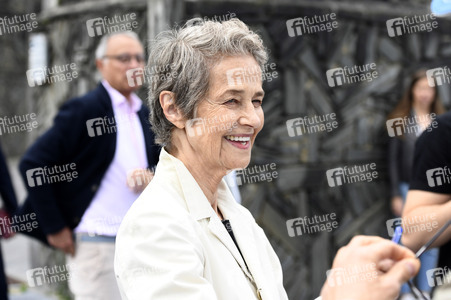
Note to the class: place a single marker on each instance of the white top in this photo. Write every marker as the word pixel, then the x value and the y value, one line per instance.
pixel 172 245
pixel 230 179
pixel 114 198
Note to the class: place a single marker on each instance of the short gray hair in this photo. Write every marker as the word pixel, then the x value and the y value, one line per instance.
pixel 101 47
pixel 191 51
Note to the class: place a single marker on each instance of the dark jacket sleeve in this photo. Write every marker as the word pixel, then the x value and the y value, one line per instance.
pixel 394 157
pixel 56 147
pixel 6 187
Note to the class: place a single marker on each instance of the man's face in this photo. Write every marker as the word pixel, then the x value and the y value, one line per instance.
pixel 113 68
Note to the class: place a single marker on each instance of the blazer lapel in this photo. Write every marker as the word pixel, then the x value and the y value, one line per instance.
pixel 218 229
pixel 245 239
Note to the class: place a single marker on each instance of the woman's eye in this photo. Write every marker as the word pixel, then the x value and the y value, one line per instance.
pixel 231 101
pixel 257 102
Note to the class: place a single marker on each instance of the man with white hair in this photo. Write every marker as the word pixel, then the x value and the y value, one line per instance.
pixel 105 136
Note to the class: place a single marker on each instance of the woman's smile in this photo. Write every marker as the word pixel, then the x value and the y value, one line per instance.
pixel 240 141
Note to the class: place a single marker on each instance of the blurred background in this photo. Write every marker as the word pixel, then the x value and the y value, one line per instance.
pixel 300 88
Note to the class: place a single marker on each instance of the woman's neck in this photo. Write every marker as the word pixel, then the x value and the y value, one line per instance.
pixel 421 111
pixel 207 178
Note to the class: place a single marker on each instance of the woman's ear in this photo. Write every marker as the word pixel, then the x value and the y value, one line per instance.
pixel 170 110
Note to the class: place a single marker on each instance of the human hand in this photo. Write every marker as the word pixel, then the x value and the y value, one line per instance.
pixel 396 205
pixel 138 179
pixel 62 240
pixel 369 268
pixel 9 235
pixel 6 231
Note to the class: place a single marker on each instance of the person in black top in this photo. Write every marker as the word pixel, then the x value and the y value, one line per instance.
pixel 418 109
pixel 428 205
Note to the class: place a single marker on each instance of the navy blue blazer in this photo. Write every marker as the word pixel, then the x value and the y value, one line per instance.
pixel 70 141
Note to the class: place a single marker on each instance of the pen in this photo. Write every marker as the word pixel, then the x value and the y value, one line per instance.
pixel 397 235
pixel 396 239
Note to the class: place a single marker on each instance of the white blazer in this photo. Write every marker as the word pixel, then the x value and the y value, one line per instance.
pixel 171 245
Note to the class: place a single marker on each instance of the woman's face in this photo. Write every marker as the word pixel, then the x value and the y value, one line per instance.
pixel 423 94
pixel 230 117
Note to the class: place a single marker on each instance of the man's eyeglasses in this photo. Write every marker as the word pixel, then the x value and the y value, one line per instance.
pixel 397 236
pixel 126 58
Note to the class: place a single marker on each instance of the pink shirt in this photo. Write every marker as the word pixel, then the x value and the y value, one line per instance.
pixel 114 198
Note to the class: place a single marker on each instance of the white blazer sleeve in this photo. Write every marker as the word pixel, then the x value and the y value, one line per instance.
pixel 158 257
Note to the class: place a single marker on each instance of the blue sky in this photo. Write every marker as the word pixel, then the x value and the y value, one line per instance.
pixel 441 7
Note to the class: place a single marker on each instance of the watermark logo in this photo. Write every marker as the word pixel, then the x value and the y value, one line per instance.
pixel 349 75
pixel 221 18
pixel 313 124
pixel 100 126
pixel 108 225
pixel 310 25
pixel 146 75
pixel 407 25
pixel 351 174
pixel 257 173
pixel 311 225
pixel 438 76
pixel 15 224
pixel 200 126
pixel 107 25
pixel 392 224
pixel 240 76
pixel 413 224
pixel 111 124
pixel 18 123
pixel 132 276
pixel 438 276
pixel 57 73
pixel 438 176
pixel 215 18
pixel 49 175
pixel 351 275
pixel 410 125
pixel 139 177
pixel 57 273
pixel 9 25
pixel 135 77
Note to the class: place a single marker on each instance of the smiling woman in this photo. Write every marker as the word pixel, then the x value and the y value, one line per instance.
pixel 186 237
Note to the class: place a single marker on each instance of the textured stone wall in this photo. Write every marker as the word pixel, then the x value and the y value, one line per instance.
pixel 14 96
